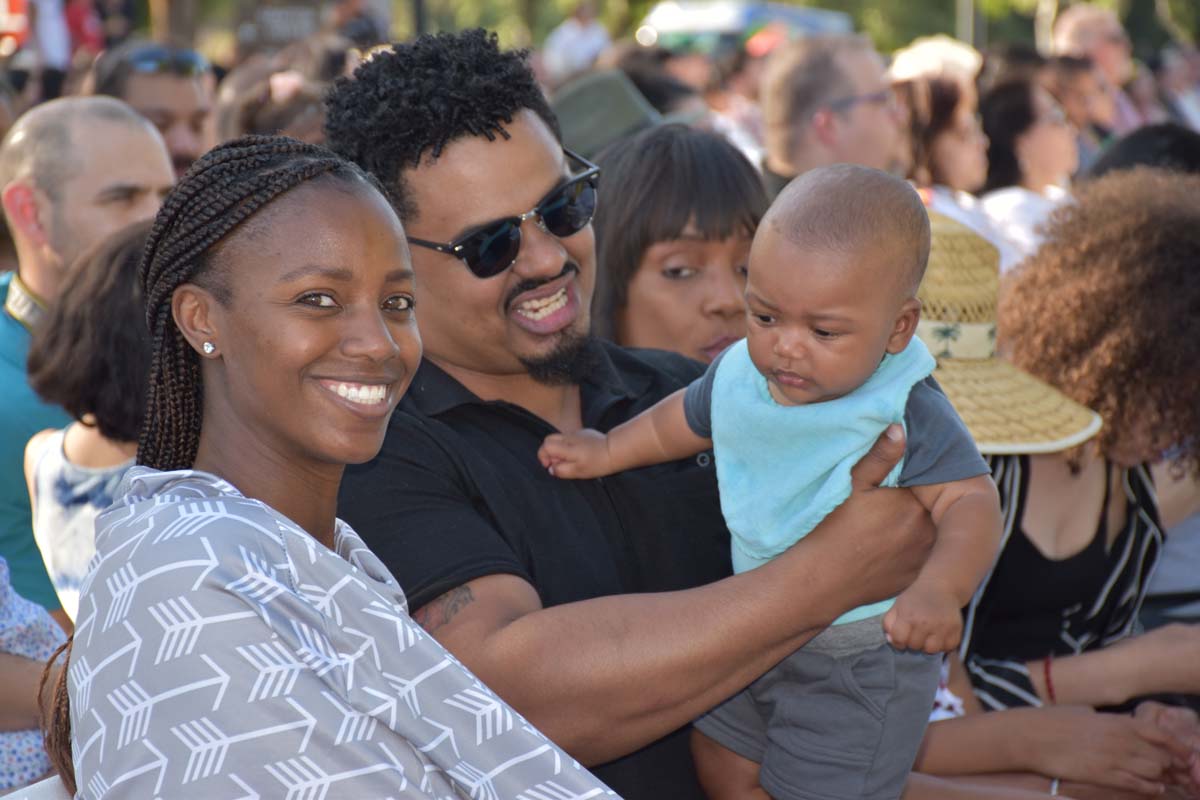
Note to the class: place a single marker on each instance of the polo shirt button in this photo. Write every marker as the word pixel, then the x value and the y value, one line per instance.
pixel 704 459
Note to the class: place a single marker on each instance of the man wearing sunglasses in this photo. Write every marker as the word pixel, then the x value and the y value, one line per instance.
pixel 173 87
pixel 827 100
pixel 603 610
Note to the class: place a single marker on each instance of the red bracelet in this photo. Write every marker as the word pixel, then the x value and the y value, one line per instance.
pixel 1049 681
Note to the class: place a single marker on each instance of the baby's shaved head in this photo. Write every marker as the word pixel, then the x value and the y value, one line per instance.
pixel 850 209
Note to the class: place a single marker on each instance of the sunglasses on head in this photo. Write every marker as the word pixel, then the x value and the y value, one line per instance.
pixel 169 60
pixel 492 247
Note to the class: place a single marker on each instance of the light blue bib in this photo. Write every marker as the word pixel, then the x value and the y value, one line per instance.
pixel 783 469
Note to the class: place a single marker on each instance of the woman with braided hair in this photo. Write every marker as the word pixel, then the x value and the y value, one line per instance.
pixel 234 638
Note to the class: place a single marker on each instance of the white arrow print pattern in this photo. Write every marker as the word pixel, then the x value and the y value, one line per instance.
pixel 281 668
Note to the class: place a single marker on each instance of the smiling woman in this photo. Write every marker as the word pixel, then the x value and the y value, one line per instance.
pixel 233 635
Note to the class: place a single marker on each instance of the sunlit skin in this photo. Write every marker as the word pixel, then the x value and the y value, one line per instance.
pixel 959 154
pixel 686 296
pixel 868 131
pixel 818 322
pixel 321 294
pixel 122 175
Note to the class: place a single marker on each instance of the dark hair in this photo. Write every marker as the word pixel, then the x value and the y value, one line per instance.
pixel 1007 62
pixel 1167 145
pixel 113 68
pixel 936 103
pixel 92 352
pixel 652 185
pixel 1067 67
pixel 415 98
pixel 1007 112
pixel 222 190
pixel 1106 309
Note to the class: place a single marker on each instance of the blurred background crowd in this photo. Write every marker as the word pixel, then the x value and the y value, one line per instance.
pixel 998 111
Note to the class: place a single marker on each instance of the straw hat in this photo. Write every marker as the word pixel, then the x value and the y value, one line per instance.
pixel 1006 410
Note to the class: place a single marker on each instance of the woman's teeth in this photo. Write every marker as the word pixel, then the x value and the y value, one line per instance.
pixel 543 306
pixel 366 394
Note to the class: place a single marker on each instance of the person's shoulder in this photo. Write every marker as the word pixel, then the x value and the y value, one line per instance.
pixel 171 506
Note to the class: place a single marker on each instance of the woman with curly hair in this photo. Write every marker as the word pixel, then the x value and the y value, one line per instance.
pixel 1108 312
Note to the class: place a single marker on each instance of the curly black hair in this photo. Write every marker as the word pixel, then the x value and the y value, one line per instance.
pixel 419 96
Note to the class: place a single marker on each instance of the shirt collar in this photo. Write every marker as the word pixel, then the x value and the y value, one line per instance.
pixel 615 377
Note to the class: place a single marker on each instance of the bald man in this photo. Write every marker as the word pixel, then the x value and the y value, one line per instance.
pixel 72 171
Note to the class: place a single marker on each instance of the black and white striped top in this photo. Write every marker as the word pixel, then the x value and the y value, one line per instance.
pixel 1030 606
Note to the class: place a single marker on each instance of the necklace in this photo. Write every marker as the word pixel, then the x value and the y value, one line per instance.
pixel 23 305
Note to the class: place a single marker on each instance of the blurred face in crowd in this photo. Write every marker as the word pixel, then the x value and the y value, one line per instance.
pixel 536 311
pixel 1111 51
pixel 867 121
pixel 1046 151
pixel 959 154
pixel 686 296
pixel 121 173
pixel 181 107
pixel 1084 99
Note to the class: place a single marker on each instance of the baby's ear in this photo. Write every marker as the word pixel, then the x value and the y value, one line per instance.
pixel 905 325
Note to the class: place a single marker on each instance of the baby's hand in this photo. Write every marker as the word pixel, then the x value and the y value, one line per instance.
pixel 926 617
pixel 576 455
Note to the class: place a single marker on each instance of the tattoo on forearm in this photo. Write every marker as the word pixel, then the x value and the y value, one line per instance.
pixel 439 612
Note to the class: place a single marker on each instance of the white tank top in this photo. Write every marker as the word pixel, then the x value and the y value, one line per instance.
pixel 66 500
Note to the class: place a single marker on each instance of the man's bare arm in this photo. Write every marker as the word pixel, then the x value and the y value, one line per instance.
pixel 604 677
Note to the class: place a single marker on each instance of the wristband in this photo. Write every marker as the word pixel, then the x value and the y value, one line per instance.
pixel 1049 681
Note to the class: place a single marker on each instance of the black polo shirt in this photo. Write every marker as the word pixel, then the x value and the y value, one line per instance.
pixel 457 493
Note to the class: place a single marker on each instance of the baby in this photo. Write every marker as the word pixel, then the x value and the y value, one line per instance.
pixel 828 362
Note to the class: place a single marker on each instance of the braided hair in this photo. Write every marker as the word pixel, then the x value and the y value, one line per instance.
pixel 223 189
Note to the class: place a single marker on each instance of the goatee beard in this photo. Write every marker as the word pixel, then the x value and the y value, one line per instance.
pixel 574 358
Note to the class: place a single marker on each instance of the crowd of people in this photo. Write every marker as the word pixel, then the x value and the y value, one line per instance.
pixel 434 419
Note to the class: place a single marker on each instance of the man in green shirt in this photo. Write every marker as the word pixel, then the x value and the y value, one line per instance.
pixel 72 171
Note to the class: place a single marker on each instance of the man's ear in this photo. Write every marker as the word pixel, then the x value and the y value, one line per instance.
pixel 905 325
pixel 823 127
pixel 23 208
pixel 198 316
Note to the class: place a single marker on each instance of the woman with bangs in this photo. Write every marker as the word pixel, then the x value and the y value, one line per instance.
pixel 673 240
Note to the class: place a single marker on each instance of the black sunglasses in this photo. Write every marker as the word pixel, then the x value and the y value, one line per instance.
pixel 492 248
